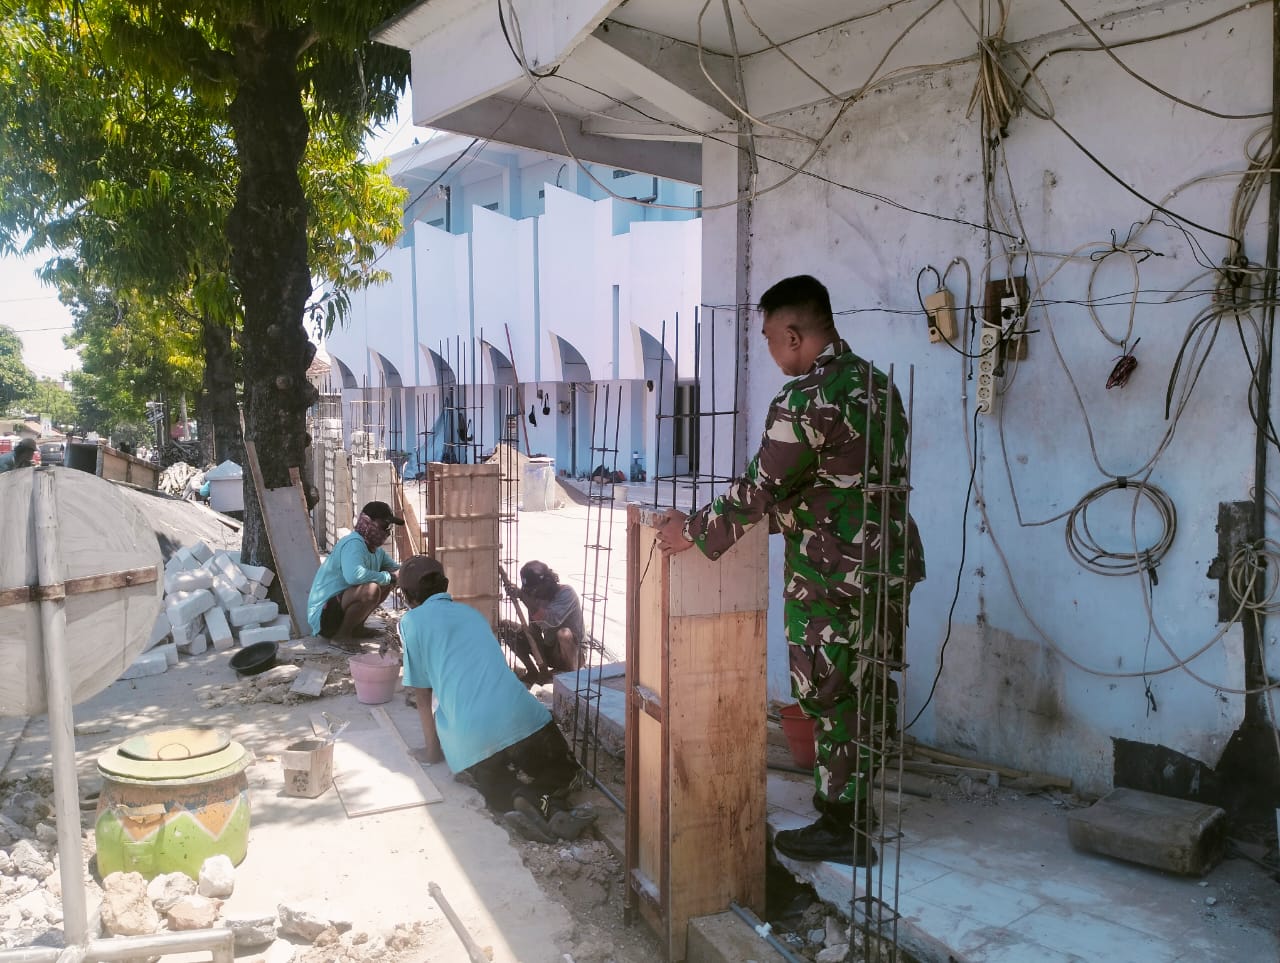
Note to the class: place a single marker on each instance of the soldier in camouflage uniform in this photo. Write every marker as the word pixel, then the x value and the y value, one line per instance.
pixel 851 552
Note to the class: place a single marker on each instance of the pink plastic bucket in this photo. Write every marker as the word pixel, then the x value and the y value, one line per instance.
pixel 375 677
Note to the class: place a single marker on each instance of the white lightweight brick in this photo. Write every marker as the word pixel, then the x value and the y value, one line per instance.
pixel 226 593
pixel 253 573
pixel 215 623
pixel 268 577
pixel 181 633
pixel 230 570
pixel 263 633
pixel 254 614
pixel 188 608
pixel 170 653
pixel 201 552
pixel 234 555
pixel 149 663
pixel 257 591
pixel 159 631
pixel 196 644
pixel 281 620
pixel 173 565
pixel 187 581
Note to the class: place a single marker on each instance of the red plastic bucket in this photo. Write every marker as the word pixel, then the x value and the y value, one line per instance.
pixel 798 728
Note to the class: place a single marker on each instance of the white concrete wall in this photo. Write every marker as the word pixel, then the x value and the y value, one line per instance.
pixel 553 274
pixel 1009 690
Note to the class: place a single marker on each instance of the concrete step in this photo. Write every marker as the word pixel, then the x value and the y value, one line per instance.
pixel 727 938
pixel 1159 831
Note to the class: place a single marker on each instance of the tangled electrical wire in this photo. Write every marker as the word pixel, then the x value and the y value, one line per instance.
pixel 1089 553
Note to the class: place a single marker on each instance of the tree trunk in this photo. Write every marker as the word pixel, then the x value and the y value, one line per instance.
pixel 267 229
pixel 222 416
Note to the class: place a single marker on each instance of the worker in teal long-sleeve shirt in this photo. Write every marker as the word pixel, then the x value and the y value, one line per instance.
pixel 355 578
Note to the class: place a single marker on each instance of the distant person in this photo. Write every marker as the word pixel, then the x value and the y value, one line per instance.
pixel 22 456
pixel 484 722
pixel 555 619
pixel 355 578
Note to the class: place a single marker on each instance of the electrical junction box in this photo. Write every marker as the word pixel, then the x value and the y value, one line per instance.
pixel 941 311
pixel 1006 304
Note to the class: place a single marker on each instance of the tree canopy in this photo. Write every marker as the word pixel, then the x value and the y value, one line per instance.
pixel 199 163
pixel 16 379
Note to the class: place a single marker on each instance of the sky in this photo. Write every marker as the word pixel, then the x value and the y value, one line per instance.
pixel 41 321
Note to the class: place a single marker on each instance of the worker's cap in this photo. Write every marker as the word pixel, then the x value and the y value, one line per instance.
pixel 381 512
pixel 534 574
pixel 26 444
pixel 415 570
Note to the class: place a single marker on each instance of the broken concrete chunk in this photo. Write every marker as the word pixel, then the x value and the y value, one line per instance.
pixel 27 808
pixel 11 830
pixel 167 888
pixel 252 931
pixel 276 675
pixel 217 877
pixel 126 910
pixel 254 614
pixel 281 951
pixel 194 912
pixel 833 954
pixel 46 833
pixel 6 864
pixel 29 861
pixel 307 920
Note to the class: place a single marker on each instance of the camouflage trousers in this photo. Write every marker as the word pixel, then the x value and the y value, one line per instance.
pixel 840 680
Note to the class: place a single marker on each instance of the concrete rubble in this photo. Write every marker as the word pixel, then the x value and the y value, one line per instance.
pixel 129 905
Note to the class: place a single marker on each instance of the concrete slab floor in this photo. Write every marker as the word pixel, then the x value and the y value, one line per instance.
pixel 374 869
pixel 994 879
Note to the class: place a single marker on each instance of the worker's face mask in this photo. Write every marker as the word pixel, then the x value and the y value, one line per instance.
pixel 374 533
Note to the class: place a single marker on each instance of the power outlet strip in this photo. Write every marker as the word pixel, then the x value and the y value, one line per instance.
pixel 988 348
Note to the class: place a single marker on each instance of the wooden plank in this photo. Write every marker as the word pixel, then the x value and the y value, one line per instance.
pixel 310 682
pixel 293 543
pixel 374 774
pixel 717 740
pixel 79 586
pixel 462 503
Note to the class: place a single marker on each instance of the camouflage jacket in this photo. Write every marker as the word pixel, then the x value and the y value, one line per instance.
pixel 823 432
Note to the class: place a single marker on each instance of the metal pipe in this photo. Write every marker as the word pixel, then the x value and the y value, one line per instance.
pixel 53 632
pixel 30 954
pixel 219 942
pixel 474 953
pixel 757 924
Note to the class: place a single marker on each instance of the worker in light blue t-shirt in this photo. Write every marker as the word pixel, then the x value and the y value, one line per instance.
pixel 485 723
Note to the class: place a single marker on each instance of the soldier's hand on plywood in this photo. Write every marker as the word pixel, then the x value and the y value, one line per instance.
pixel 671 533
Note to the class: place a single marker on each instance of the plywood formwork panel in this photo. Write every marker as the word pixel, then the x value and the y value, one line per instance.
pixel 695 729
pixel 462 531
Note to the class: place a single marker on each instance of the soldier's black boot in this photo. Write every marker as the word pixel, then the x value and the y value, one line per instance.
pixel 829 839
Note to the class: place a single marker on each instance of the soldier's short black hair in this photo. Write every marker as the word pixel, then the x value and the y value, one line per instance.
pixel 804 293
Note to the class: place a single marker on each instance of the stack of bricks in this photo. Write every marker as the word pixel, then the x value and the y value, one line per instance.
pixel 212 599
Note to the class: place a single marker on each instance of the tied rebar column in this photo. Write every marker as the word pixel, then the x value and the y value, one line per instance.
pixel 596 564
pixel 886 575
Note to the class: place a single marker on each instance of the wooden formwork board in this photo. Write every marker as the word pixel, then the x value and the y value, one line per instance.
pixel 695 730
pixel 462 531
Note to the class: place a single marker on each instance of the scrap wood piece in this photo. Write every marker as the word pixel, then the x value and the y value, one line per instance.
pixel 310 682
pixel 374 771
pixel 291 537
pixel 1006 772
